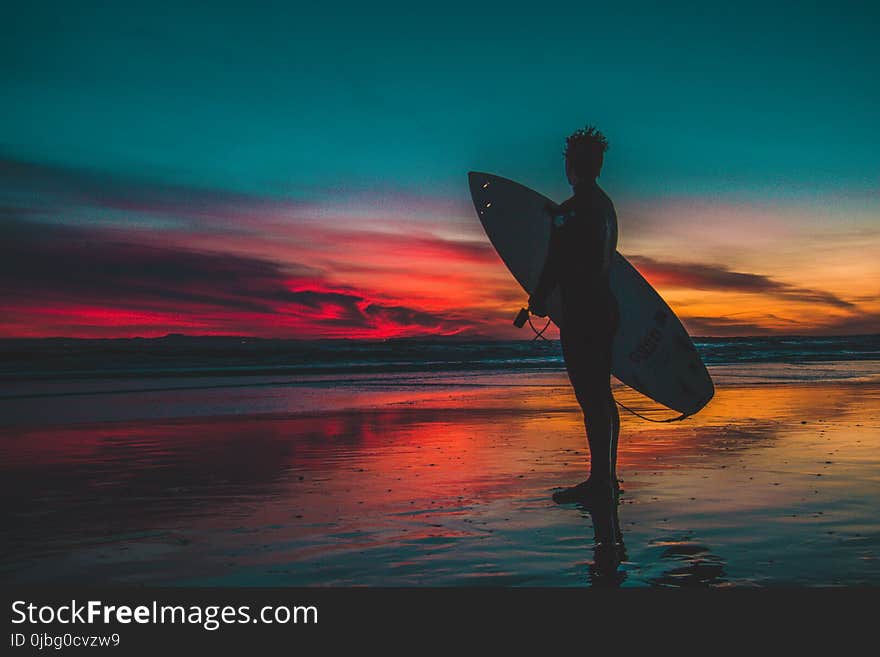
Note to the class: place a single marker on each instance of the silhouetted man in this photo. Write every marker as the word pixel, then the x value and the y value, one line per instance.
pixel 583 240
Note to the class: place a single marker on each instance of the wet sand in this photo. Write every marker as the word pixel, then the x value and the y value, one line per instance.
pixel 438 480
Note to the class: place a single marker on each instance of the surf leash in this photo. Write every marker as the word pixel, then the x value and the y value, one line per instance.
pixel 525 314
pixel 650 419
pixel 539 334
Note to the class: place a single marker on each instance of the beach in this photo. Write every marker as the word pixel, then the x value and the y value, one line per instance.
pixel 437 478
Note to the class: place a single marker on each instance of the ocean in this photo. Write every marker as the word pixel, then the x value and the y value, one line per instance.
pixel 55 358
pixel 237 461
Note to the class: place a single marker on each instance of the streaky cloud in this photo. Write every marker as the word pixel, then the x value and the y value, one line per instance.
pixel 57 271
pixel 718 277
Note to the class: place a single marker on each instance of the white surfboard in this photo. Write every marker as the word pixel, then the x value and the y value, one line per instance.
pixel 652 351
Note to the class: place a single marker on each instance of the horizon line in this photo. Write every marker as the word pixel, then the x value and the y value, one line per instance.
pixel 450 338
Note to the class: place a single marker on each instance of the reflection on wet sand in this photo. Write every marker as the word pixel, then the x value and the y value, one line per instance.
pixel 452 487
pixel 689 565
pixel 609 551
pixel 695 566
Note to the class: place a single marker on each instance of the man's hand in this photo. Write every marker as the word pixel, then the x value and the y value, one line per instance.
pixel 538 306
pixel 551 209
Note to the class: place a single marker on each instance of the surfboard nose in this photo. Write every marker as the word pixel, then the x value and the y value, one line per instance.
pixel 479 181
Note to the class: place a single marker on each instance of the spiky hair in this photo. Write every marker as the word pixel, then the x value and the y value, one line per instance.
pixel 587 141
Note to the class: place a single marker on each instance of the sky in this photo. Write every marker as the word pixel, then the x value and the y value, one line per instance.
pixel 274 170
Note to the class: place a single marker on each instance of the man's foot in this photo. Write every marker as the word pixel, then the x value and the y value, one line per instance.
pixel 589 491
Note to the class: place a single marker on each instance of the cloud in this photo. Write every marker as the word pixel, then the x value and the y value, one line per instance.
pixel 723 327
pixel 384 249
pixel 39 261
pixel 855 324
pixel 861 324
pixel 88 196
pixel 113 250
pixel 90 251
pixel 46 269
pixel 717 277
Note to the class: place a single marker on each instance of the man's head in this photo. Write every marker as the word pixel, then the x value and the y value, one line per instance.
pixel 584 154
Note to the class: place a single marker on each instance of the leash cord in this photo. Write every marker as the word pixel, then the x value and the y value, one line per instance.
pixel 540 335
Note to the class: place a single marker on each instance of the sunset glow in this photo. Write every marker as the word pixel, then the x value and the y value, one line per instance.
pixel 241 180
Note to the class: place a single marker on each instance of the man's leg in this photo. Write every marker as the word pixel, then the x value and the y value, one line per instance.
pixel 599 410
pixel 615 436
pixel 586 371
pixel 614 313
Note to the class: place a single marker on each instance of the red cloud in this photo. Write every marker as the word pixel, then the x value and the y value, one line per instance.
pixel 77 282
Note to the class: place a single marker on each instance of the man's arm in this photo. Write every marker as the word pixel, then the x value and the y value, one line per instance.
pixel 550 272
pixel 609 240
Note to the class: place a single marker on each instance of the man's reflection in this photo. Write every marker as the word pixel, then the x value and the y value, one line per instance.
pixel 693 565
pixel 608 551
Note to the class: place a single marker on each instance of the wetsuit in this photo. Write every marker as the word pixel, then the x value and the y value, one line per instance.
pixel 583 240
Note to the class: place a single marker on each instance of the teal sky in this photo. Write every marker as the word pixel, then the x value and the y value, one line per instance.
pixel 756 99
